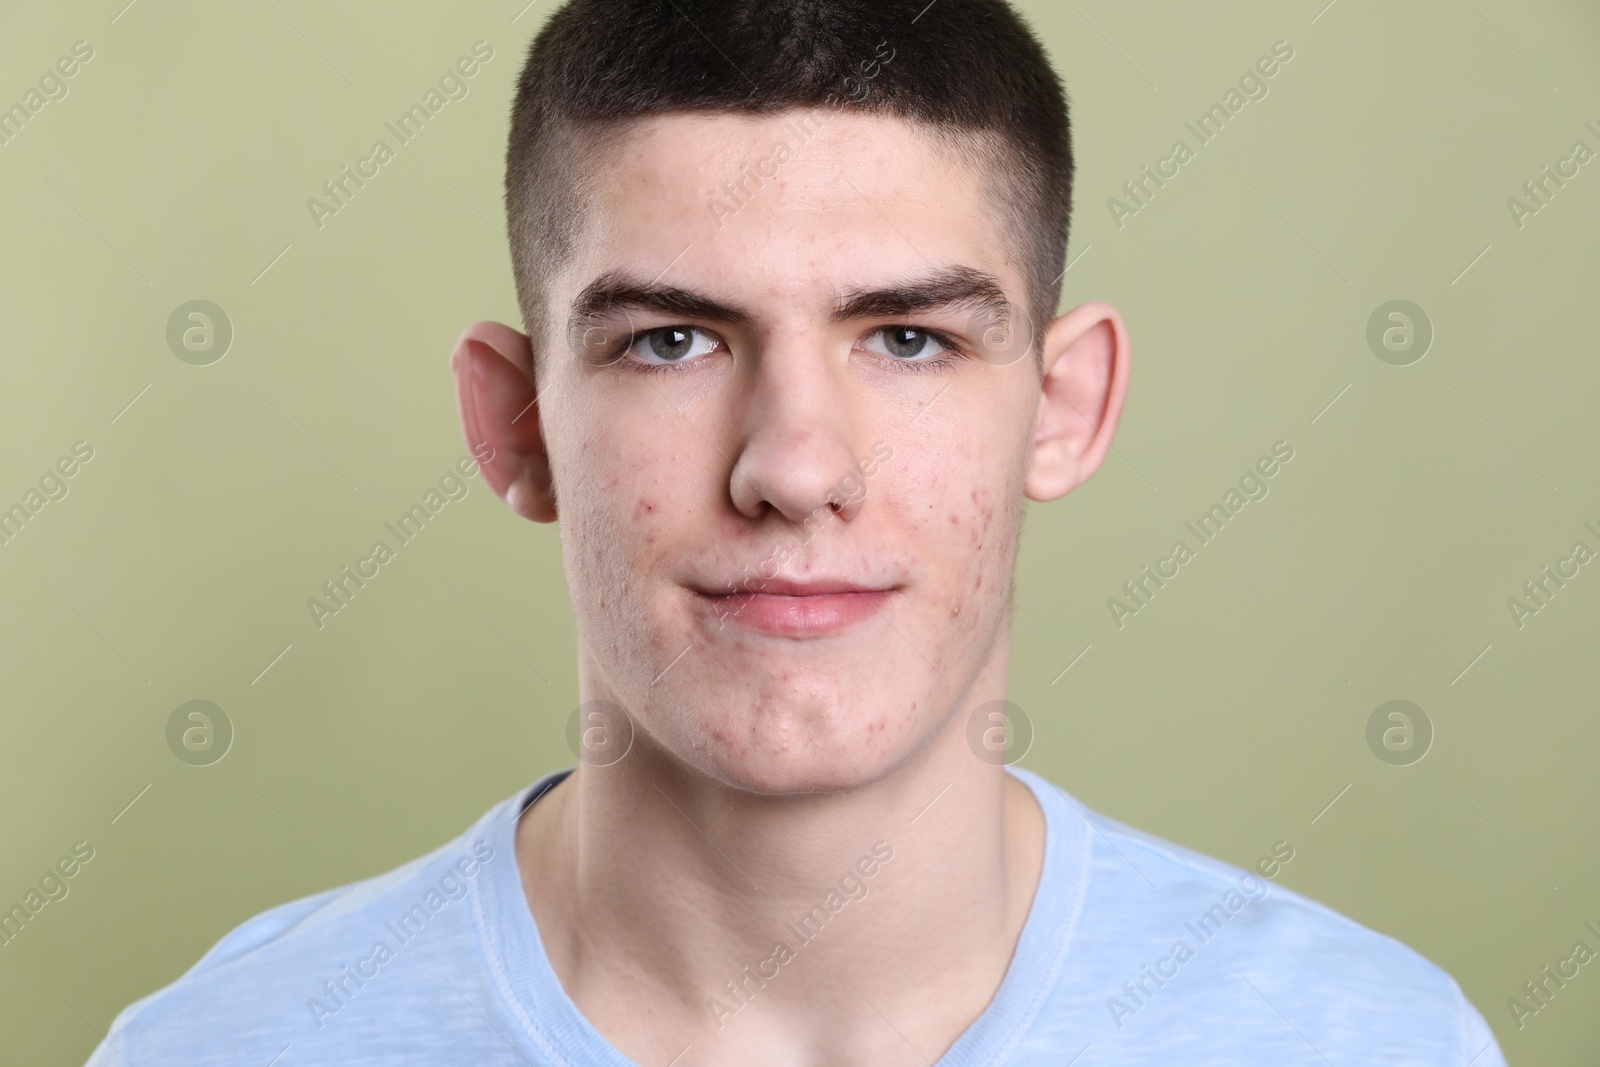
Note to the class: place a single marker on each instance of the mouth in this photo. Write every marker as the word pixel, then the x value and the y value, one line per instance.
pixel 785 607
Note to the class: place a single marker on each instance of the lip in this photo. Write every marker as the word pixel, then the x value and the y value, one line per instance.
pixel 784 607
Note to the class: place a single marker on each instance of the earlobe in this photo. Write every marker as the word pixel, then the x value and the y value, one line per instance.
pixel 496 396
pixel 1085 382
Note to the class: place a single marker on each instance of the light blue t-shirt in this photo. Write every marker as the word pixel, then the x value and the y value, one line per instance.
pixel 1135 951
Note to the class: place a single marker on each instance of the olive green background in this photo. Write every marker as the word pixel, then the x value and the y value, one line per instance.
pixel 1226 715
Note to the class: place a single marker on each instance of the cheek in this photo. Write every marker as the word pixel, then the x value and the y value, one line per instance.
pixel 967 534
pixel 599 501
pixel 983 548
pixel 619 510
pixel 645 519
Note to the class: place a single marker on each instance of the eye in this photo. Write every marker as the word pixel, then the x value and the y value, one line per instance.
pixel 908 344
pixel 667 345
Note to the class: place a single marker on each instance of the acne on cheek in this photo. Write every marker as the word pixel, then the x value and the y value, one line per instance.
pixel 982 504
pixel 641 509
pixel 980 532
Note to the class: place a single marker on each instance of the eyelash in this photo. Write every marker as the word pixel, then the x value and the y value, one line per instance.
pixel 640 366
pixel 953 351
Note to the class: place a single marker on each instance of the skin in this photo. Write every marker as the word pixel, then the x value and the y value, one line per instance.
pixel 764 765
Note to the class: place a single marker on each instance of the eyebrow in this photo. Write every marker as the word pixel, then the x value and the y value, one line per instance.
pixel 617 290
pixel 943 288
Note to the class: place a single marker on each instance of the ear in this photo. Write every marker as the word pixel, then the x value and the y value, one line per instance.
pixel 496 394
pixel 1085 381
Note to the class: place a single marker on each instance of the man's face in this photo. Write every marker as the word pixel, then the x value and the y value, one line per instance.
pixel 788 535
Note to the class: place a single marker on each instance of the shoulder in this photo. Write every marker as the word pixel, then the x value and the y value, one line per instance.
pixel 1219 898
pixel 1221 938
pixel 280 976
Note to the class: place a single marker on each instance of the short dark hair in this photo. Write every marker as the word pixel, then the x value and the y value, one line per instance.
pixel 970 72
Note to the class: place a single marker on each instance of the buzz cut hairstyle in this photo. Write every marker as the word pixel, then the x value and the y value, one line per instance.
pixel 970 74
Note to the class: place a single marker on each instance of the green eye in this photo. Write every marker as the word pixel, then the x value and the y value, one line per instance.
pixel 671 344
pixel 909 344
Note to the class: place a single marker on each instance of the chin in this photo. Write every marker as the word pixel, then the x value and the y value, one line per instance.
pixel 796 748
pixel 788 775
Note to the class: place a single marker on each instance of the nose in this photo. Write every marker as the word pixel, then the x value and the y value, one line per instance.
pixel 797 455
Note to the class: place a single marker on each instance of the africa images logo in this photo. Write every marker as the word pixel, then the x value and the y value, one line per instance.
pixel 453 85
pixel 452 885
pixel 1253 485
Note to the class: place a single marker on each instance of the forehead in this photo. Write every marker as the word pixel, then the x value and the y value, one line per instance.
pixel 785 209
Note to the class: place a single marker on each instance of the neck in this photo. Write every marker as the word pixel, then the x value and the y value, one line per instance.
pixel 676 910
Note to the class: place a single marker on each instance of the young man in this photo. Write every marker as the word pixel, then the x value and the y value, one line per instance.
pixel 789 272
